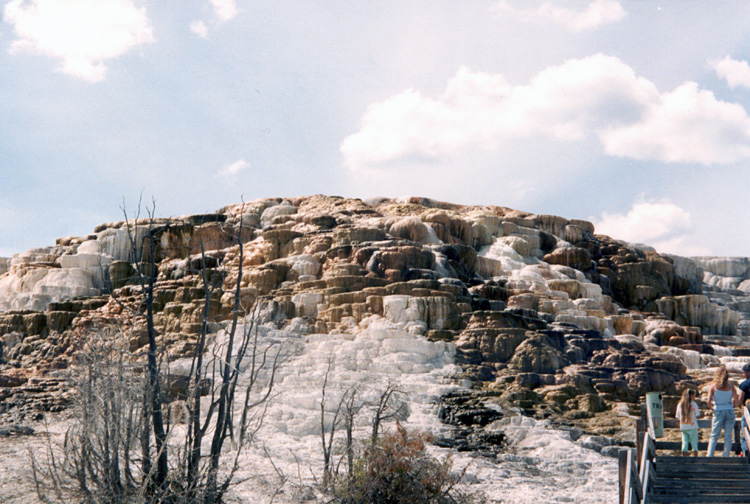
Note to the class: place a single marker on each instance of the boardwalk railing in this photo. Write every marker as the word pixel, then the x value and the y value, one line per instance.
pixel 637 473
pixel 636 466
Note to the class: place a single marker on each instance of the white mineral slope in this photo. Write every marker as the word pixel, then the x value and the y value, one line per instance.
pixel 284 463
pixel 541 464
pixel 545 465
pixel 370 357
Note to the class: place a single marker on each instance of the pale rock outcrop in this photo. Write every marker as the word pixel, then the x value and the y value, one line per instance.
pixel 304 265
pixel 660 331
pixel 552 224
pixel 89 258
pixel 554 306
pixel 581 319
pixel 737 267
pixel 435 312
pixel 412 228
pixel 116 242
pixel 689 269
pixel 519 244
pixel 449 227
pixel 270 213
pixel 485 227
pixel 34 279
pixel 691 358
pixel 66 283
pixel 696 310
pixel 722 282
pixel 307 303
pixel 744 286
pixel 37 256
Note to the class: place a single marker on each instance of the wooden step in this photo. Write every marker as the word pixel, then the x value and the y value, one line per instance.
pixel 720 473
pixel 665 459
pixel 708 499
pixel 700 480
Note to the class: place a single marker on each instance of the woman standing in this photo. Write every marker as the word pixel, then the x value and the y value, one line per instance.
pixel 722 398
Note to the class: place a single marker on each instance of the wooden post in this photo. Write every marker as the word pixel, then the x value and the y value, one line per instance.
pixel 640 427
pixel 622 465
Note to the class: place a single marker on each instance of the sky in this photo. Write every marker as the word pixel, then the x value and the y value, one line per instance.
pixel 634 115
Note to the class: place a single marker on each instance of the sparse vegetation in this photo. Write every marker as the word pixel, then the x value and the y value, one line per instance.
pixel 396 469
pixel 122 447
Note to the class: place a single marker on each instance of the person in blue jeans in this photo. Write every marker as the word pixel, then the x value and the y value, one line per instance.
pixel 744 397
pixel 722 398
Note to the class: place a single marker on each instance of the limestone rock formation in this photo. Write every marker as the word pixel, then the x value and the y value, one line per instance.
pixel 541 313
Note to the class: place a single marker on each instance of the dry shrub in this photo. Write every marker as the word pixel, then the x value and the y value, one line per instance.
pixel 397 470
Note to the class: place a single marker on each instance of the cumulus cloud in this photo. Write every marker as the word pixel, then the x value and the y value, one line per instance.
pixel 662 225
pixel 233 169
pixel 596 96
pixel 82 33
pixel 597 14
pixel 199 28
pixel 736 73
pixel 224 9
pixel 688 125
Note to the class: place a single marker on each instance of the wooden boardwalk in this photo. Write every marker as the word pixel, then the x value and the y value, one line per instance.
pixel 694 480
pixel 649 477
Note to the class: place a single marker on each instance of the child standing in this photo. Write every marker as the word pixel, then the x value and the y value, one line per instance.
pixel 687 414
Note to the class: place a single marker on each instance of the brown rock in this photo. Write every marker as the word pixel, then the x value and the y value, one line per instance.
pixel 573 257
pixel 490 345
pixel 524 301
pixel 535 355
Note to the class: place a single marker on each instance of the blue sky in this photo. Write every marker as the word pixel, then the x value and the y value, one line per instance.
pixel 634 115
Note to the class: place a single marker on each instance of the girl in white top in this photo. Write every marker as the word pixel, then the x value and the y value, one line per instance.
pixel 687 414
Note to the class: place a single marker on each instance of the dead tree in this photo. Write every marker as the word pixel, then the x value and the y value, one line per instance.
pixel 116 417
pixel 351 408
pixel 388 406
pixel 326 435
pixel 145 247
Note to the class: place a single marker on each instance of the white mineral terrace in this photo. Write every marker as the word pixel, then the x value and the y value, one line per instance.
pixel 540 464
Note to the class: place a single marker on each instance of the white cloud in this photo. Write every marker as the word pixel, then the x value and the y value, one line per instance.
pixel 82 33
pixel 662 225
pixel 596 96
pixel 597 14
pixel 199 28
pixel 736 73
pixel 233 169
pixel 224 9
pixel 687 125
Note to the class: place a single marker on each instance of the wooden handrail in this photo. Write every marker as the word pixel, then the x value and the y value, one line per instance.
pixel 649 453
pixel 637 470
pixel 630 482
pixel 635 478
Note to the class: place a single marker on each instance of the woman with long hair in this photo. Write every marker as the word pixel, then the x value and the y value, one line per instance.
pixel 687 414
pixel 722 398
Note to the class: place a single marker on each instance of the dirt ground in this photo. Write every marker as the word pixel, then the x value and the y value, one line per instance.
pixel 16 451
